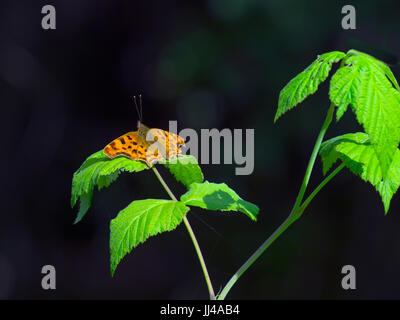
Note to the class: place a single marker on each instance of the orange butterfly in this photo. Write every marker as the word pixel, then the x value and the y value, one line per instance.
pixel 145 144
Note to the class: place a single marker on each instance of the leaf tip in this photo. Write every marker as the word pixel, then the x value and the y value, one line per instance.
pixel 386 208
pixel 77 219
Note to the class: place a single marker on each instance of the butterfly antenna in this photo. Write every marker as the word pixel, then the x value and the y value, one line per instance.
pixel 137 109
pixel 141 108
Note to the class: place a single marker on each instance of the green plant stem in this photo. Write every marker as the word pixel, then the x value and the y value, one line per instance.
pixel 314 154
pixel 294 214
pixel 318 189
pixel 192 236
pixel 254 257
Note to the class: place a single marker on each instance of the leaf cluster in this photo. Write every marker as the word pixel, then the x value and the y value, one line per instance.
pixel 369 87
pixel 142 219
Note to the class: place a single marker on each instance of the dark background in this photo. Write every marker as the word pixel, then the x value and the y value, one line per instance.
pixel 65 93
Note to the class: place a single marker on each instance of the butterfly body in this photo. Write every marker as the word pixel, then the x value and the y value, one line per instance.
pixel 145 144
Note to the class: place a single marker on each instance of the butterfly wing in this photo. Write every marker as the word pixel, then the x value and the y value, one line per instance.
pixel 148 145
pixel 167 146
pixel 130 145
pixel 173 145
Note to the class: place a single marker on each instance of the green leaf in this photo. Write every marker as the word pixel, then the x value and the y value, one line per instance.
pixel 185 169
pixel 213 196
pixel 100 170
pixel 84 204
pixel 372 172
pixel 306 82
pixel 378 64
pixel 345 86
pixel 140 220
pixel 359 155
pixel 328 152
pixel 363 83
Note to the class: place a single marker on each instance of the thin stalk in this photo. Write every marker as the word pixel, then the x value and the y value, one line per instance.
pixel 293 216
pixel 164 184
pixel 277 233
pixel 314 154
pixel 318 189
pixel 192 236
pixel 254 257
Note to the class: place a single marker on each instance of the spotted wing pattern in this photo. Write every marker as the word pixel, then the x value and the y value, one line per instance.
pixel 130 145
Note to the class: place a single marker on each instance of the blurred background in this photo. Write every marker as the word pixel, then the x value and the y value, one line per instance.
pixel 66 93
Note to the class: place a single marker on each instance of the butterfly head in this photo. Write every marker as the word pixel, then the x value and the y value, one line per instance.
pixel 142 130
pixel 180 142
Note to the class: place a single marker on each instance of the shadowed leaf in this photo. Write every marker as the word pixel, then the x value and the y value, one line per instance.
pixel 213 196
